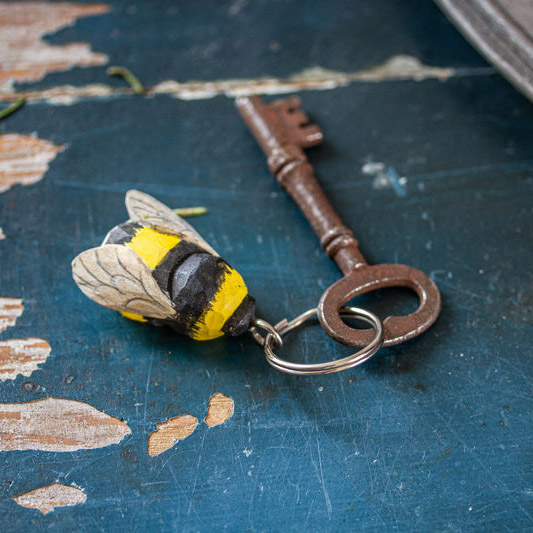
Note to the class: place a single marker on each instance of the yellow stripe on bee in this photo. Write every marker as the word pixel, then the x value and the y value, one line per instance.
pixel 225 302
pixel 151 245
pixel 133 316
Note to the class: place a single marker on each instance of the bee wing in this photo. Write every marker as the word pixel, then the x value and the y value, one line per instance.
pixel 116 277
pixel 144 208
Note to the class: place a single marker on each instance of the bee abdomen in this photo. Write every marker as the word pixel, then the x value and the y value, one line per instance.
pixel 208 295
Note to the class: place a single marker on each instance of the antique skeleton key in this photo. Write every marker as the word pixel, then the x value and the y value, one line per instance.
pixel 282 130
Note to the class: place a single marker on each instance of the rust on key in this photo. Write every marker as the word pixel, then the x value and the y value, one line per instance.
pixel 283 131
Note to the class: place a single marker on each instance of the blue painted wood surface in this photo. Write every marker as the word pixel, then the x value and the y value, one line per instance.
pixel 434 434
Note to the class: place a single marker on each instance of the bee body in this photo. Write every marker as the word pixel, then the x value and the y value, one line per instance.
pixel 205 297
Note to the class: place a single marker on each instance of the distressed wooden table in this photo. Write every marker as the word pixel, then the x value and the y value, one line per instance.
pixel 428 158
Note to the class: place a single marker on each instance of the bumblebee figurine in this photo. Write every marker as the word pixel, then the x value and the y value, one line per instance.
pixel 156 268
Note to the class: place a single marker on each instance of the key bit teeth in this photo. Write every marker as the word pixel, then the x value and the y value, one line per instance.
pixel 280 123
pixel 291 103
pixel 310 136
pixel 298 118
pixel 297 122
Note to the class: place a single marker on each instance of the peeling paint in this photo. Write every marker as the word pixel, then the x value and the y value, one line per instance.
pixel 10 310
pixel 18 356
pixel 48 497
pixel 315 78
pixel 171 431
pixel 68 94
pixel 22 357
pixel 24 159
pixel 397 68
pixel 57 425
pixel 25 57
pixel 220 410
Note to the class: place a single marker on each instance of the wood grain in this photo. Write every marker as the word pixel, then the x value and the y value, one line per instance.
pixel 24 159
pixel 170 432
pixel 220 409
pixel 57 425
pixel 22 357
pixel 48 497
pixel 24 56
pixel 10 310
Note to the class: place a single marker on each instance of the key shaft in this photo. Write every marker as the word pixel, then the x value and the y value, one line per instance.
pixel 282 132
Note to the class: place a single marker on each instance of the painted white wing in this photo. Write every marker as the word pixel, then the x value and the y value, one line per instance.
pixel 146 209
pixel 116 277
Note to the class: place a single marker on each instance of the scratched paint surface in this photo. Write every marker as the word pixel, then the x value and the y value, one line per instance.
pixel 431 435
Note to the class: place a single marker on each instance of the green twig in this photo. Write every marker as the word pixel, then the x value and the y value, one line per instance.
pixel 19 102
pixel 135 84
pixel 190 211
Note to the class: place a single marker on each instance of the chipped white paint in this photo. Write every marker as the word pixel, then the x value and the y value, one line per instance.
pixel 68 94
pixel 24 56
pixel 57 425
pixel 24 159
pixel 48 497
pixel 170 432
pixel 22 357
pixel 18 356
pixel 396 68
pixel 220 410
pixel 2 234
pixel 315 78
pixel 10 310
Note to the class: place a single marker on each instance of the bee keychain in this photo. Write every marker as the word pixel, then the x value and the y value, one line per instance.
pixel 156 268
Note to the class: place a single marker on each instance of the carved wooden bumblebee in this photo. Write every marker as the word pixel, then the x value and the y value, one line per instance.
pixel 156 268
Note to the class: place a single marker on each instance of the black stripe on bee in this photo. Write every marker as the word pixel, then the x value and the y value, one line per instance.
pixel 193 286
pixel 175 257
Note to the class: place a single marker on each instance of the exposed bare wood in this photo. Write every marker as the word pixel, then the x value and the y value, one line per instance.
pixel 24 159
pixel 10 310
pixel 67 94
pixel 24 56
pixel 315 78
pixel 220 410
pixel 48 497
pixel 401 67
pixel 170 432
pixel 57 425
pixel 22 357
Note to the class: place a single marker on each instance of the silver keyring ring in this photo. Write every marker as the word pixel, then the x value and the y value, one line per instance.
pixel 284 327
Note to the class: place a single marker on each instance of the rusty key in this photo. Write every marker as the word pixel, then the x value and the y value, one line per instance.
pixel 282 130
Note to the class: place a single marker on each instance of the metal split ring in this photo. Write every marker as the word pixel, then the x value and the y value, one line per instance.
pixel 274 339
